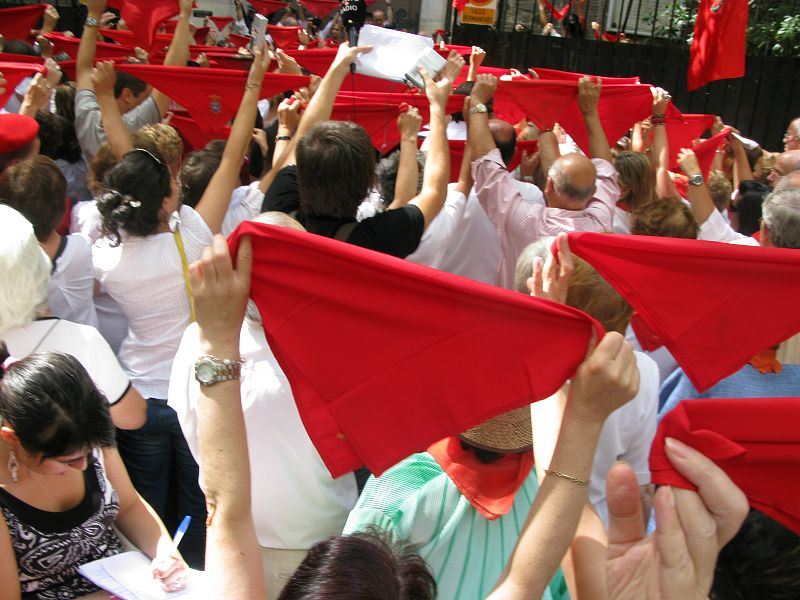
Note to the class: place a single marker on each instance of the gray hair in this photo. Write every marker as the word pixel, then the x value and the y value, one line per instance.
pixel 386 172
pixel 781 214
pixel 540 248
pixel 563 185
pixel 25 283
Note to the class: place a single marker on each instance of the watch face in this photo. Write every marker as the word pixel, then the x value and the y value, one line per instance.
pixel 204 371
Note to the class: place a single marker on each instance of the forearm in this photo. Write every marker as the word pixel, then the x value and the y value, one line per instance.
pixel 86 52
pixel 142 526
pixel 665 188
pixel 741 166
pixel 472 74
pixel 481 141
pixel 405 187
pixel 464 183
pixel 584 564
pixel 119 138
pixel 548 150
pixel 437 168
pixel 178 52
pixel 700 200
pixel 321 104
pixel 598 143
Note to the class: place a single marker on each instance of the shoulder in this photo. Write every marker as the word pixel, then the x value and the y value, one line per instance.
pixel 396 232
pixel 604 168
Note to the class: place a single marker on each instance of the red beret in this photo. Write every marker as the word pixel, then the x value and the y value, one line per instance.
pixel 16 131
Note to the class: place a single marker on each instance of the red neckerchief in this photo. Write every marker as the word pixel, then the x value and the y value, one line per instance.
pixel 490 488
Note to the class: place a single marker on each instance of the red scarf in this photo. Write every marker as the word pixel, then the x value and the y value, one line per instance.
pixel 558 14
pixel 543 102
pixel 553 74
pixel 16 23
pixel 489 488
pixel 221 22
pixel 128 38
pixel 756 441
pixel 14 73
pixel 267 7
pixel 194 136
pixel 143 17
pixel 285 38
pixel 104 50
pixel 682 132
pixel 211 96
pixel 386 357
pixel 697 297
pixel 321 8
pixel 457 155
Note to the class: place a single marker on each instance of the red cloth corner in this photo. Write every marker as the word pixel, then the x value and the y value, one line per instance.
pixel 285 38
pixel 143 17
pixel 16 23
pixel 558 13
pixel 543 102
pixel 386 357
pixel 14 73
pixel 718 46
pixel 756 441
pixel 267 7
pixel 321 8
pixel 693 294
pixel 682 132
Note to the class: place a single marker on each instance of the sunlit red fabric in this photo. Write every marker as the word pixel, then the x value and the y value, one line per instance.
pixel 14 73
pixel 718 45
pixel 143 17
pixel 16 23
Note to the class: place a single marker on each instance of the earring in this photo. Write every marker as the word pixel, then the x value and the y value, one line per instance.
pixel 13 466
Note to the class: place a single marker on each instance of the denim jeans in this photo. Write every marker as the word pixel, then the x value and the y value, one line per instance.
pixel 165 474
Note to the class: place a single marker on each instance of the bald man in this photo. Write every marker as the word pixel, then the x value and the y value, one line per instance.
pixel 580 193
pixel 787 162
pixel 791 139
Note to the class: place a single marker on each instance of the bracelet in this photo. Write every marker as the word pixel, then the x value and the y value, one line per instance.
pixel 574 480
pixel 659 123
pixel 659 116
pixel 282 138
pixel 252 85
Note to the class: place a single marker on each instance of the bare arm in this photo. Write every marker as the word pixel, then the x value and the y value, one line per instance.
pixel 88 46
pixel 588 97
pixel 548 150
pixel 178 53
pixel 699 198
pixel 741 166
pixel 481 141
pixel 215 200
pixel 665 188
pixel 475 61
pixel 233 560
pixel 130 411
pixel 119 137
pixel 405 187
pixel 9 572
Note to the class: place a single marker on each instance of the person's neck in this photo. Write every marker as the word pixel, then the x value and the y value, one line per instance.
pixel 51 244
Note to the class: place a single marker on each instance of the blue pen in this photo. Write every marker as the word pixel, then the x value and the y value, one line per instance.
pixel 181 530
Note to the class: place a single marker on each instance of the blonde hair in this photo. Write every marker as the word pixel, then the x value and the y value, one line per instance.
pixel 637 175
pixel 162 140
pixel 665 218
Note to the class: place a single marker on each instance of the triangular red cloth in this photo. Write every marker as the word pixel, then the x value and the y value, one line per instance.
pixel 681 134
pixel 238 40
pixel 386 357
pixel 285 38
pixel 193 135
pixel 554 74
pixel 69 67
pixel 543 102
pixel 611 37
pixel 321 8
pixel 756 442
pixel 8 57
pixel 692 295
pixel 558 13
pixel 226 60
pixel 457 155
pixel 620 107
pixel 211 96
pixel 221 22
pixel 718 46
pixel 705 150
pixel 128 38
pixel 267 7
pixel 143 17
pixel 168 26
pixel 464 51
pixel 14 73
pixel 104 51
pixel 489 488
pixel 16 23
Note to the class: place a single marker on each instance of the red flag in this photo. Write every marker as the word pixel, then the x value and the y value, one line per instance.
pixel 267 7
pixel 104 50
pixel 682 132
pixel 693 295
pixel 143 16
pixel 211 96
pixel 461 351
pixel 16 23
pixel 321 8
pixel 754 440
pixel 14 73
pixel 718 47
pixel 559 14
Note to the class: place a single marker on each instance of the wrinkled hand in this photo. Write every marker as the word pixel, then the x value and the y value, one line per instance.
pixel 678 560
pixel 139 56
pixel 287 64
pixel 37 96
pixel 104 78
pixel 409 123
pixel 589 94
pixel 485 85
pixel 476 57
pixel 661 100
pixel 687 161
pixel 220 292
pixel 54 73
pixel 436 91
pixel 455 63
pixel 289 113
pixel 347 55
pixel 170 570
pixel 551 277
pixel 607 379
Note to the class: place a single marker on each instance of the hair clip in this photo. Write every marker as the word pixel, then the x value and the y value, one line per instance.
pixel 134 203
pixel 10 360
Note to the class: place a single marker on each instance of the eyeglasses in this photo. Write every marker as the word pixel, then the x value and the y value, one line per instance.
pixel 788 137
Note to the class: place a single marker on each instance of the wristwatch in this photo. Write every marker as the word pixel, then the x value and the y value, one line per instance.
pixel 480 107
pixel 209 370
pixel 696 179
pixel 91 22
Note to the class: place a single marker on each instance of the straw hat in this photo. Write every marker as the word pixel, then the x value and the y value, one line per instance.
pixel 508 432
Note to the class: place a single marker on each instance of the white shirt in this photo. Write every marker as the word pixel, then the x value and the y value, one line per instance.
pixel 87 221
pixel 627 434
pixel 81 341
pixel 246 202
pixel 715 229
pixel 144 275
pixel 295 502
pixel 72 283
pixel 622 221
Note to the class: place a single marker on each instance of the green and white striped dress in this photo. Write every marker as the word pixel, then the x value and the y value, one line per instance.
pixel 417 503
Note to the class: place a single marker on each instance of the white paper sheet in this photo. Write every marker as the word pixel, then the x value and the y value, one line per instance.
pixel 394 53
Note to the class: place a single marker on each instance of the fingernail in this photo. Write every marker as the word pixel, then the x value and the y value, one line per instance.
pixel 677 447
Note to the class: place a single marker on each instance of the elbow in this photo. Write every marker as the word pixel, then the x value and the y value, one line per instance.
pixel 130 412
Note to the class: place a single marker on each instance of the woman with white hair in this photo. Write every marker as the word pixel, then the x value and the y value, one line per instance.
pixel 26 325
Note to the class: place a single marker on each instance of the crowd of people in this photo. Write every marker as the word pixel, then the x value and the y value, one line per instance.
pixel 140 383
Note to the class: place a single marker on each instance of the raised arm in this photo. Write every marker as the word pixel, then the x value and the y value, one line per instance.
pixel 119 137
pixel 588 98
pixel 606 380
pixel 548 149
pixel 741 166
pixel 215 200
pixel 88 46
pixel 178 53
pixel 664 186
pixel 699 198
pixel 475 61
pixel 233 560
pixel 405 187
pixel 481 141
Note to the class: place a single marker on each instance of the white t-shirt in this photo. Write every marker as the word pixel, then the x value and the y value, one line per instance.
pixel 627 435
pixel 144 275
pixel 622 221
pixel 81 341
pixel 295 501
pixel 245 204
pixel 715 229
pixel 72 283
pixel 87 221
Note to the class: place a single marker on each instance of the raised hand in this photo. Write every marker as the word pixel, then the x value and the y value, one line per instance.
pixel 409 123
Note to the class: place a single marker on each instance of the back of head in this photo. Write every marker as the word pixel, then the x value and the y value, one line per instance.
pixel 748 206
pixel 196 173
pixel 37 189
pixel 360 566
pixel 58 137
pixel 279 219
pixel 163 141
pixel 574 179
pixel 386 172
pixel 26 271
pixel 53 406
pixel 135 191
pixel 19 47
pixel 128 81
pixel 636 177
pixel 65 101
pixel 781 212
pixel 505 138
pixel 720 188
pixel 335 169
pixel 102 162
pixel 664 218
pixel 761 561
